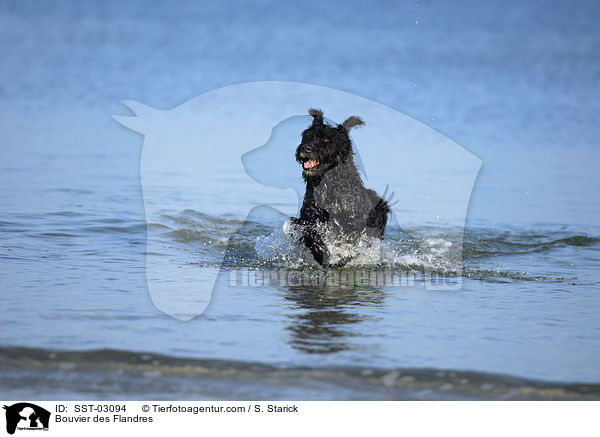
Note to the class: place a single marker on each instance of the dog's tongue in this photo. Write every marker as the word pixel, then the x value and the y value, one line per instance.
pixel 310 163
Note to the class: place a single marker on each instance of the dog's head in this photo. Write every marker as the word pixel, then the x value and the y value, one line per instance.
pixel 324 146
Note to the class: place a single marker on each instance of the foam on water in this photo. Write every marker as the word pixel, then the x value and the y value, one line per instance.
pixel 283 247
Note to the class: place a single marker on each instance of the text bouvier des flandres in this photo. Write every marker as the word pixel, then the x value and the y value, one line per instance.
pixel 337 207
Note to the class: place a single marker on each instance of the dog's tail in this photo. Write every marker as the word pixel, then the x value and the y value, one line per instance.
pixel 383 202
pixel 379 213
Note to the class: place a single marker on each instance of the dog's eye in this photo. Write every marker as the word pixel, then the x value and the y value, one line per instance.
pixel 325 140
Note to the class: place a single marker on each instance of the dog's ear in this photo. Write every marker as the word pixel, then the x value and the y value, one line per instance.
pixel 352 121
pixel 317 115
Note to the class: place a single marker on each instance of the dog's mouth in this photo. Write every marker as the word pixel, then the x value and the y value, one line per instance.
pixel 310 164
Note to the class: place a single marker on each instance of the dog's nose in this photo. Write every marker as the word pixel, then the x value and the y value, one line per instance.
pixel 305 151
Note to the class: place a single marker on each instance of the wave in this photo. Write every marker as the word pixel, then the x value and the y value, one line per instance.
pixel 117 374
pixel 483 242
pixel 215 240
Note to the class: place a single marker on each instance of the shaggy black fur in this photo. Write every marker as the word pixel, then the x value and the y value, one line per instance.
pixel 336 200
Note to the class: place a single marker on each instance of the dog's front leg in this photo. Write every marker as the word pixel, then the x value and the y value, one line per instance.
pixel 315 244
pixel 312 214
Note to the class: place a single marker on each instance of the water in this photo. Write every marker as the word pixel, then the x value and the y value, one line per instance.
pixel 515 84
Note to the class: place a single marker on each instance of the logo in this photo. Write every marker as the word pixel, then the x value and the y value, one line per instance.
pixel 26 416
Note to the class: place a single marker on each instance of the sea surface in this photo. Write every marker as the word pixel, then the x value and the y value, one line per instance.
pixel 517 85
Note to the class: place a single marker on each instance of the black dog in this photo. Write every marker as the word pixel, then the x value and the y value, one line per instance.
pixel 337 206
